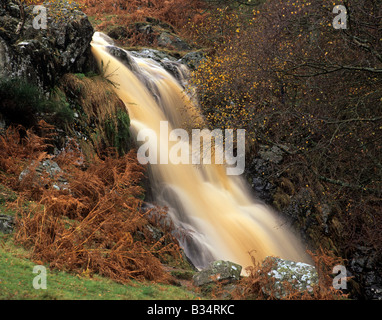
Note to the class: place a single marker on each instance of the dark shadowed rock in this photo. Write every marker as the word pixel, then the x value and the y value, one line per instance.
pixel 118 32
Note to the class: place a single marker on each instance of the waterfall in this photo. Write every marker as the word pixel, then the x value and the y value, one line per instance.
pixel 216 212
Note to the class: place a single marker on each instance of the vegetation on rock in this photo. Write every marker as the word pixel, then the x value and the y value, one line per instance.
pixel 308 95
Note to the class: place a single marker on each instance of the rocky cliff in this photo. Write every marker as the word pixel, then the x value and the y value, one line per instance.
pixel 43 55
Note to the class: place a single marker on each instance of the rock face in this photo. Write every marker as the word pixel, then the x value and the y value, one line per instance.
pixel 170 40
pixel 42 56
pixel 301 276
pixel 365 263
pixel 193 59
pixel 217 271
pixel 151 32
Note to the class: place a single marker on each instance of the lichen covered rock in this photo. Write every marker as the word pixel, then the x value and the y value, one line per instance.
pixel 42 56
pixel 288 274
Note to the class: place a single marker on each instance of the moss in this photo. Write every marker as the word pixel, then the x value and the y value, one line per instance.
pixel 23 103
pixel 117 131
pixel 183 275
pixel 80 75
pixel 6 195
pixel 102 119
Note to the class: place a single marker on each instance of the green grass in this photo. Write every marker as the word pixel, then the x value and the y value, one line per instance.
pixel 16 277
pixel 6 195
pixel 16 282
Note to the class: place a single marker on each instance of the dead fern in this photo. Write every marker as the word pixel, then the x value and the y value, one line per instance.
pixel 259 285
pixel 96 225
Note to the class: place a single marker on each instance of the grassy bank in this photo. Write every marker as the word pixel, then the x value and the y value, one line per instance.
pixel 16 282
pixel 16 275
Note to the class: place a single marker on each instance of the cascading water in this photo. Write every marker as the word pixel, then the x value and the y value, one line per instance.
pixel 219 218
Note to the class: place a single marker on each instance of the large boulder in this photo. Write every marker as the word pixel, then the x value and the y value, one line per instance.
pixel 172 41
pixel 42 56
pixel 193 59
pixel 218 271
pixel 298 276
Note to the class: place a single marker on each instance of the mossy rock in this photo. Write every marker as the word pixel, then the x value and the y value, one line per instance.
pixel 217 271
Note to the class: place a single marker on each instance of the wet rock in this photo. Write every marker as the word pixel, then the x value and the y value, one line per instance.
pixel 153 54
pixel 300 211
pixel 256 176
pixel 123 56
pixel 218 271
pixel 170 63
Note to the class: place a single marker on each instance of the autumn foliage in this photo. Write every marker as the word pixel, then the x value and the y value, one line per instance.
pixel 293 81
pixel 174 13
pixel 96 223
pixel 260 285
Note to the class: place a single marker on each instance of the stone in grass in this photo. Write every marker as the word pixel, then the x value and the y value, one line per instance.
pixel 301 276
pixel 7 223
pixel 217 271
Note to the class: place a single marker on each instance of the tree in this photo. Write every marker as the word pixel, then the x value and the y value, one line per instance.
pixel 292 80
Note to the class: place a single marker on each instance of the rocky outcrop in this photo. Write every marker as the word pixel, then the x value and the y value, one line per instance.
pixel 316 222
pixel 151 32
pixel 218 271
pixel 193 59
pixel 46 173
pixel 42 56
pixel 367 268
pixel 259 168
pixel 172 41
